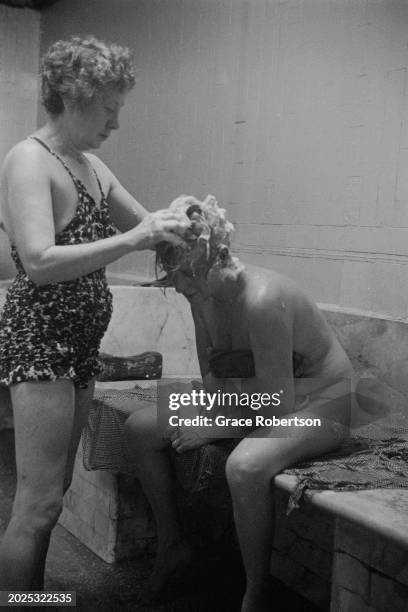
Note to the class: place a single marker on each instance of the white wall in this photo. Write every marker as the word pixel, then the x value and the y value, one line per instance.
pixel 19 53
pixel 322 190
pixel 294 113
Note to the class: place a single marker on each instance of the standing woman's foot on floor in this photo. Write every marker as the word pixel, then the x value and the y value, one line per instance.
pixel 171 564
pixel 259 601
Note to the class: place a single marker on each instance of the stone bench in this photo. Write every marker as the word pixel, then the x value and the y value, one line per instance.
pixel 344 551
pixel 348 551
pixel 107 510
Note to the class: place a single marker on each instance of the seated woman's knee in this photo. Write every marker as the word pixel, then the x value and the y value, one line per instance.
pixel 248 469
pixel 141 428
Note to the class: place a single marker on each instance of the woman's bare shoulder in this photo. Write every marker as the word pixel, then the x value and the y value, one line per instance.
pixel 99 165
pixel 273 299
pixel 268 288
pixel 23 155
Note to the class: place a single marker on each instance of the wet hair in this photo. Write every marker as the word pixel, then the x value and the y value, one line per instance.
pixel 208 239
pixel 79 68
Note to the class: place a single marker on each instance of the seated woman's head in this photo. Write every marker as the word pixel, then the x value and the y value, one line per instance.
pixel 208 241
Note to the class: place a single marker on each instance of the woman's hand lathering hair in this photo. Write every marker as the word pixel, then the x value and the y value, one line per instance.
pixel 208 238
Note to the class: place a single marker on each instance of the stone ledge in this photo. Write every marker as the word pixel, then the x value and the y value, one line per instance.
pixel 379 554
pixel 365 508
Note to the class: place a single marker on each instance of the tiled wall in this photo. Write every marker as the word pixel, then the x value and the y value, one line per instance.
pixel 293 113
pixel 19 52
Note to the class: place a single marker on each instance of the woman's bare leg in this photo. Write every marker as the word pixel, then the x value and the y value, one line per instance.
pixel 37 583
pixel 43 420
pixel 250 469
pixel 83 399
pixel 150 457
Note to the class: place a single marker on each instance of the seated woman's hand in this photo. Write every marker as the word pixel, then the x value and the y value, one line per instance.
pixel 186 438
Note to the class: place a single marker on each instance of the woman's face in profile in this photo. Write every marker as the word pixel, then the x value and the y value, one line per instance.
pixel 181 279
pixel 92 124
pixel 186 283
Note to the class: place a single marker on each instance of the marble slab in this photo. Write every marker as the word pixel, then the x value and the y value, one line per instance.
pixel 149 319
pixel 377 346
pixel 367 508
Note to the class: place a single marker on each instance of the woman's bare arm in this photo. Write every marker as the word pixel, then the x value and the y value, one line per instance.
pixel 125 211
pixel 30 226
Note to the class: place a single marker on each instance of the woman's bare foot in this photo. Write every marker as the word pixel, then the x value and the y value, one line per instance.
pixel 171 563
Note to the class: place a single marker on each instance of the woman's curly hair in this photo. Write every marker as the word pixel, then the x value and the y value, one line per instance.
pixel 78 68
pixel 208 239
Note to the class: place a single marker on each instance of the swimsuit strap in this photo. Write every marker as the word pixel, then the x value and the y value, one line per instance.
pixel 68 169
pixel 97 179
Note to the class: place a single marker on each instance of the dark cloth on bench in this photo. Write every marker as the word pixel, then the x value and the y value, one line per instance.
pixel 103 441
pixel 359 463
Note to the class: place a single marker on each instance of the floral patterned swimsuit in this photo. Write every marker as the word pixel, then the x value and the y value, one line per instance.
pixel 54 331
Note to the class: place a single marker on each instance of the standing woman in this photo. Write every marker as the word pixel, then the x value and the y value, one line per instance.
pixel 60 207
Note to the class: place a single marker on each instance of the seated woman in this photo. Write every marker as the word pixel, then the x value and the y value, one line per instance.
pixel 237 310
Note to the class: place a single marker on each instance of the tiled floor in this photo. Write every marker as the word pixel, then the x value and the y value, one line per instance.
pixel 115 588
